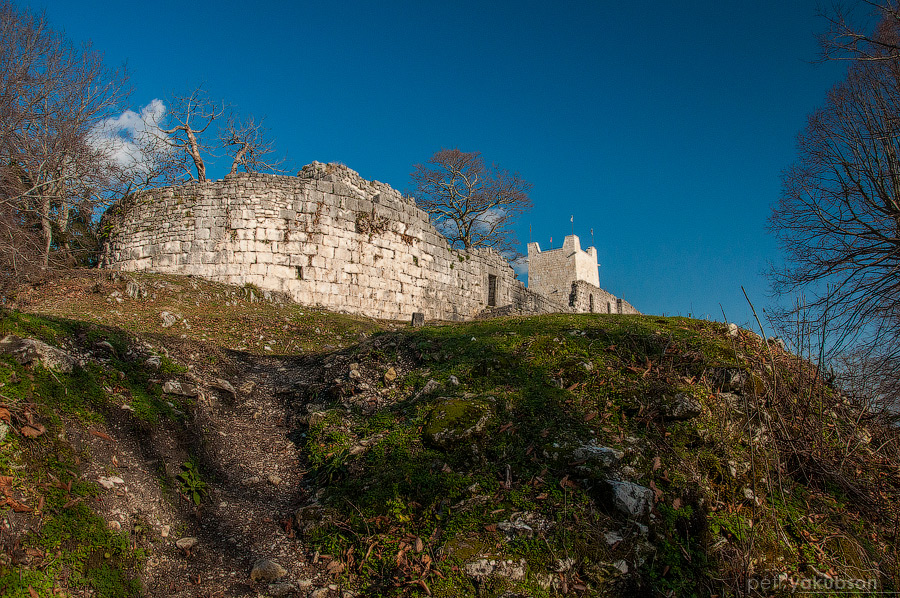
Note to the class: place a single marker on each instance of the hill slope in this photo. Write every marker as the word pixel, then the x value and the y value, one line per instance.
pixel 292 451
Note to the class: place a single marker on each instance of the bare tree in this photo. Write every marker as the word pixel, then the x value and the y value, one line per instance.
pixel 192 115
pixel 249 145
pixel 838 217
pixel 471 203
pixel 52 93
pixel 849 37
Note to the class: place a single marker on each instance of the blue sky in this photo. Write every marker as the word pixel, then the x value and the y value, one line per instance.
pixel 663 126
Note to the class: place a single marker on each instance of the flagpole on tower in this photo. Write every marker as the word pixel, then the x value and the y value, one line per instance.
pixel 572 220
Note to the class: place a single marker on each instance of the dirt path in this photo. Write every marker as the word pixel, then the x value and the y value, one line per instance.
pixel 244 446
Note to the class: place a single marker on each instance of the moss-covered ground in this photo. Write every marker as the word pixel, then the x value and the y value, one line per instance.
pixel 408 513
pixel 53 540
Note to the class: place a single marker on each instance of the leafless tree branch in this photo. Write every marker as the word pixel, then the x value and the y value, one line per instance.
pixel 192 114
pixel 248 144
pixel 471 203
pixel 52 93
pixel 838 218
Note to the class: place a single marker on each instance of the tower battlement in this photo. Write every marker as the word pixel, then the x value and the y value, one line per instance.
pixel 570 275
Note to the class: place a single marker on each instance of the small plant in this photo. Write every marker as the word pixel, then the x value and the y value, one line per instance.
pixel 415 260
pixel 192 485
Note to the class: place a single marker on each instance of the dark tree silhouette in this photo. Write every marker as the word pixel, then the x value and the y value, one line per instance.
pixel 838 218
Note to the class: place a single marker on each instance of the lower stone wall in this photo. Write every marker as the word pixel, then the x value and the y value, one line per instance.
pixel 327 238
pixel 525 303
pixel 586 297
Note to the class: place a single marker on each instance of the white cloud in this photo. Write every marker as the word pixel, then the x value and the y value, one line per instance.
pixel 489 219
pixel 131 139
pixel 520 267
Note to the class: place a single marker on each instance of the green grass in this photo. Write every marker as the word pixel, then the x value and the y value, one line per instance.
pixel 403 485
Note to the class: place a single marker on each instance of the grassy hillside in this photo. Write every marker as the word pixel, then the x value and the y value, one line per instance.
pixel 553 455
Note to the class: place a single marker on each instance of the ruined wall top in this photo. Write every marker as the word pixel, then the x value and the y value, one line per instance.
pixel 337 172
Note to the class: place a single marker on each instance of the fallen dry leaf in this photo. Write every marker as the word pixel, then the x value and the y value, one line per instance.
pixel 5 416
pixel 590 416
pixel 33 593
pixel 657 463
pixel 676 504
pixel 657 493
pixel 102 435
pixel 17 506
pixel 420 546
pixel 72 503
pixel 33 431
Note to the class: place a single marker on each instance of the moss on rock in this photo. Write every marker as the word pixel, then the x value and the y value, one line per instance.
pixel 456 420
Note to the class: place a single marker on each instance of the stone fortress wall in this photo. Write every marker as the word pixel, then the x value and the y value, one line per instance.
pixel 569 275
pixel 327 237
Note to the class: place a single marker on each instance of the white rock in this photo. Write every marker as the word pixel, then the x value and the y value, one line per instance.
pixel 110 482
pixel 29 350
pixel 168 319
pixel 632 499
pixel 186 543
pixel 480 568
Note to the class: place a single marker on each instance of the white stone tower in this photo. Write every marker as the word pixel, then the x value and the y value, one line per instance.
pixel 552 272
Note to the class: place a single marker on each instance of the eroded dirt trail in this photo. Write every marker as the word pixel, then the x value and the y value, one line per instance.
pixel 240 433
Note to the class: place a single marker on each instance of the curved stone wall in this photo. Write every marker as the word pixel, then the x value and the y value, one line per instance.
pixel 327 237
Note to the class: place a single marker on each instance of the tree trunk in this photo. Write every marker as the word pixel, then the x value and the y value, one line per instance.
pixel 239 158
pixel 46 229
pixel 194 150
pixel 62 223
